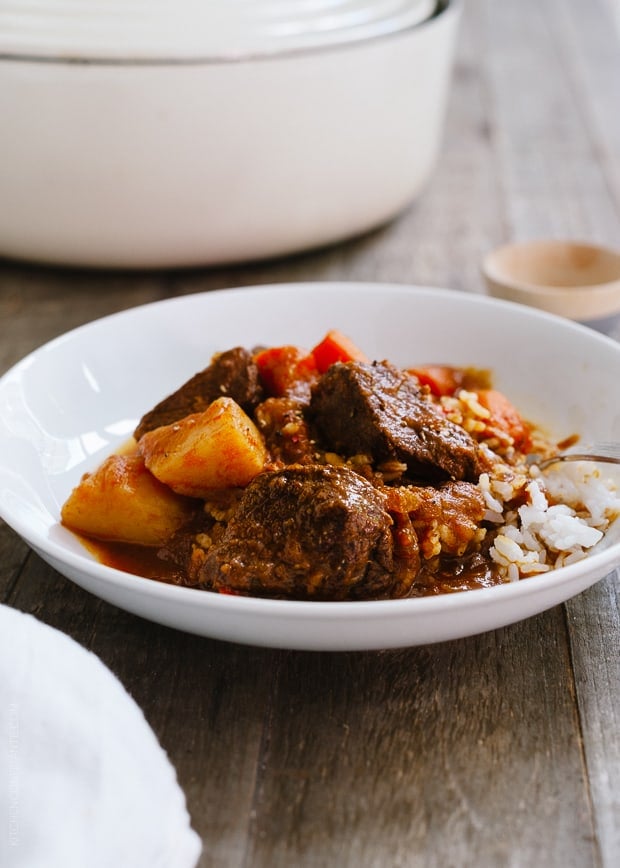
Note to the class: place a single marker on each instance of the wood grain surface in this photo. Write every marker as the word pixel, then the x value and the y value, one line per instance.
pixel 498 750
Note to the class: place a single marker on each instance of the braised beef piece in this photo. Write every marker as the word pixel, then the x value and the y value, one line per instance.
pixel 232 374
pixel 281 422
pixel 183 549
pixel 312 532
pixel 380 410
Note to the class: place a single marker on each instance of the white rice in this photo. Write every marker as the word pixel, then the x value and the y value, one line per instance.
pixel 564 512
pixel 537 521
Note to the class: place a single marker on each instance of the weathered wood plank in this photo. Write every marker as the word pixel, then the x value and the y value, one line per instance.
pixel 37 304
pixel 553 181
pixel 594 625
pixel 13 556
pixel 466 753
pixel 589 50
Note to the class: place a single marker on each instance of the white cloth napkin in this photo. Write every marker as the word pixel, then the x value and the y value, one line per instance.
pixel 84 782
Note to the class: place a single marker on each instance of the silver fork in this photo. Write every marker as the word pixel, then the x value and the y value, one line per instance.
pixel 606 451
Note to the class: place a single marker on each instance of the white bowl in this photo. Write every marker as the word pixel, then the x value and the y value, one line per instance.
pixel 72 402
pixel 177 158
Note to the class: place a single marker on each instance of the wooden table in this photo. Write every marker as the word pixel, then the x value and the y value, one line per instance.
pixel 499 750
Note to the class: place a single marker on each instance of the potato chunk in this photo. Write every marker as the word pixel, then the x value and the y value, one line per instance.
pixel 218 448
pixel 122 501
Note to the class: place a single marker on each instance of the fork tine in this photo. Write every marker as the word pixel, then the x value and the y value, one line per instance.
pixel 605 451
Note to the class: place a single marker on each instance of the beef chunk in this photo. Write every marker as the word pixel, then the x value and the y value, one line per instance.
pixel 232 374
pixel 312 532
pixel 380 410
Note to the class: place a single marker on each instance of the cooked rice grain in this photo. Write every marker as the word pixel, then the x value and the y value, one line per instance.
pixel 543 533
pixel 541 521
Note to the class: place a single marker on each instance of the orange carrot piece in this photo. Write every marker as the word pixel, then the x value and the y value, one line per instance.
pixel 441 379
pixel 505 416
pixel 336 347
pixel 287 370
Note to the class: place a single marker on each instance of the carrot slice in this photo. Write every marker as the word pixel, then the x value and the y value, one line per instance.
pixel 505 416
pixel 336 347
pixel 286 371
pixel 441 379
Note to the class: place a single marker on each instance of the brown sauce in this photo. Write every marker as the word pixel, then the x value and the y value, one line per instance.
pixel 441 576
pixel 135 559
pixel 456 574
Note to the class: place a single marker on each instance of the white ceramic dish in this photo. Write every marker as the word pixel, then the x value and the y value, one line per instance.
pixel 574 279
pixel 69 404
pixel 173 157
pixel 219 29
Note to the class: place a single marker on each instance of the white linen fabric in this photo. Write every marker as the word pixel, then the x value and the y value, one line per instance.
pixel 84 782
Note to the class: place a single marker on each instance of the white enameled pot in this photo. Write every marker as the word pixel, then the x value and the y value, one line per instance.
pixel 179 161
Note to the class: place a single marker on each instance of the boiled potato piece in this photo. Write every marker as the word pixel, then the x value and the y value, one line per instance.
pixel 122 501
pixel 218 448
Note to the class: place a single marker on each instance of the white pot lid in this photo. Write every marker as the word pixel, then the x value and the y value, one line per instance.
pixel 183 30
